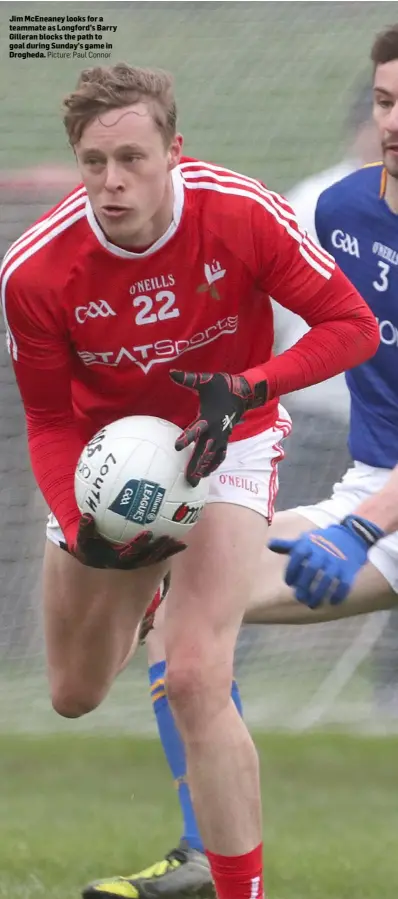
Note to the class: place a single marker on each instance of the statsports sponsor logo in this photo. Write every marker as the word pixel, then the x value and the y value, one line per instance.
pixel 149 354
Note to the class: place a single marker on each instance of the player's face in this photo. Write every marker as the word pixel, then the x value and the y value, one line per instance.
pixel 125 167
pixel 385 112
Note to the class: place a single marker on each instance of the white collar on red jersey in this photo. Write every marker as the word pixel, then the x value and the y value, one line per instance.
pixel 178 187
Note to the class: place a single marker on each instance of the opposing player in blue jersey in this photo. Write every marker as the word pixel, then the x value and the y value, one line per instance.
pixel 349 563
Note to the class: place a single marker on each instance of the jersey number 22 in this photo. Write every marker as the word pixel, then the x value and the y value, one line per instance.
pixel 166 309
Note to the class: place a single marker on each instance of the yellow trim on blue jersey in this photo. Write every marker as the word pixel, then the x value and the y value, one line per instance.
pixel 383 179
pixel 383 183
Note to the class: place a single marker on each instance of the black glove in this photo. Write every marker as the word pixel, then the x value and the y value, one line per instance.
pixel 223 399
pixel 96 552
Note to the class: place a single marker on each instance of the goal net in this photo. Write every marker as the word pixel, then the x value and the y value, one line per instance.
pixel 263 88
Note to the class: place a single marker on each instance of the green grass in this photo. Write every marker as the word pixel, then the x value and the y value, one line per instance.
pixel 77 808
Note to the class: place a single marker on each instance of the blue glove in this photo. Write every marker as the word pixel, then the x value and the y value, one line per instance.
pixel 324 563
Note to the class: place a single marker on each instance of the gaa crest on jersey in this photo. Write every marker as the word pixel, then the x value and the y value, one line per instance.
pixel 213 273
pixel 345 242
pixel 139 501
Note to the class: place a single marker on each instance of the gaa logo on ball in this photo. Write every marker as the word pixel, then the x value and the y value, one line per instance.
pixel 131 478
pixel 139 501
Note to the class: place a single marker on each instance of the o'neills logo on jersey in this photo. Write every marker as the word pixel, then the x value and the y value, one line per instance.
pixel 148 354
pixel 385 252
pixel 388 332
pixel 156 283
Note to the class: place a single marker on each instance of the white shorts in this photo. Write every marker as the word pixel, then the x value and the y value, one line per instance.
pixel 358 484
pixel 247 477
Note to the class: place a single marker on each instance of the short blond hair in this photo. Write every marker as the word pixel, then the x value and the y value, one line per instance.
pixel 103 88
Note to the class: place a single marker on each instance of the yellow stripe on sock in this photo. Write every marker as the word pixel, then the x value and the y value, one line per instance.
pixel 159 695
pixel 157 683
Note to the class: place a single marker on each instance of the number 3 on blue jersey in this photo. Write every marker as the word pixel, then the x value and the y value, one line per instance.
pixel 382 283
pixel 368 255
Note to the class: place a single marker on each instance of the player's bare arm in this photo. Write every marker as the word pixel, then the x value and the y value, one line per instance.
pixel 382 508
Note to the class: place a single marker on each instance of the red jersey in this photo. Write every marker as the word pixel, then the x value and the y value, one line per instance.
pixel 93 329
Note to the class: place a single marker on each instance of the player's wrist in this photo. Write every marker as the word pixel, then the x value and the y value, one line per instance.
pixel 364 529
pixel 255 388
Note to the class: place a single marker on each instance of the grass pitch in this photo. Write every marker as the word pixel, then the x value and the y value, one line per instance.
pixel 73 809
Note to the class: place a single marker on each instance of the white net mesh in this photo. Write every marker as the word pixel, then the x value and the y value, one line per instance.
pixel 263 88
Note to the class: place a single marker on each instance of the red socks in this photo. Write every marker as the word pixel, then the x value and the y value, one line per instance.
pixel 238 876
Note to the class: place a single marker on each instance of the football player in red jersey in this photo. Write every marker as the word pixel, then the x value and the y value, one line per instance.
pixel 146 291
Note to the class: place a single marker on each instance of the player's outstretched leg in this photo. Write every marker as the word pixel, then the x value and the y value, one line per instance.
pixel 185 870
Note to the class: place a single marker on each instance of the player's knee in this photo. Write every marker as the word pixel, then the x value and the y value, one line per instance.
pixel 198 688
pixel 73 700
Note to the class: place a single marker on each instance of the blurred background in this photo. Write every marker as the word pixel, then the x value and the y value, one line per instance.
pixel 280 91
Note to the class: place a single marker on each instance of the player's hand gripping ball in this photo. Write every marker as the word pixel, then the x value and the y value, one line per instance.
pixel 91 549
pixel 324 563
pixel 131 489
